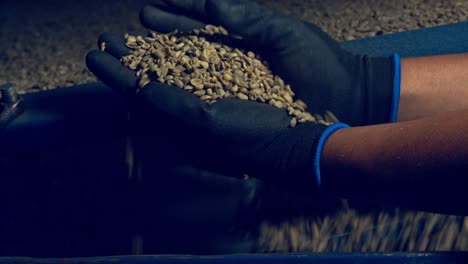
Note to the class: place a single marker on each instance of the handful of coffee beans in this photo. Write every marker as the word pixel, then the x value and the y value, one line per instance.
pixel 212 71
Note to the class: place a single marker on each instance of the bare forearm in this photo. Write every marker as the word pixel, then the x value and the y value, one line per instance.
pixel 425 157
pixel 434 84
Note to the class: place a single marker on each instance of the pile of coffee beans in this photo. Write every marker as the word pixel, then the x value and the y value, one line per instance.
pixel 212 71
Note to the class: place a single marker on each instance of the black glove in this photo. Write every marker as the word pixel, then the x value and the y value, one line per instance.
pixel 230 136
pixel 238 137
pixel 358 89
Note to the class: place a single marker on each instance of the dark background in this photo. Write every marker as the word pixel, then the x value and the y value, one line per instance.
pixel 43 45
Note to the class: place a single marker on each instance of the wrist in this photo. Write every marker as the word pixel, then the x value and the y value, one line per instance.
pixel 344 160
pixel 432 85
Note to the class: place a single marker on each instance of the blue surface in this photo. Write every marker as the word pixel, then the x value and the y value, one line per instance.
pixel 73 115
pixel 400 258
pixel 445 39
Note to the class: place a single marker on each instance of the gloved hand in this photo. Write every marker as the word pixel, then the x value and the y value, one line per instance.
pixel 247 137
pixel 230 136
pixel 358 89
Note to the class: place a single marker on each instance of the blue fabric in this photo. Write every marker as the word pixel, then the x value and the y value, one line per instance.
pixel 326 134
pixel 396 89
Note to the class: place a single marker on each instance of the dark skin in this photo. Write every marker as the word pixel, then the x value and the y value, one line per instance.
pixel 432 85
pixel 429 148
pixel 425 160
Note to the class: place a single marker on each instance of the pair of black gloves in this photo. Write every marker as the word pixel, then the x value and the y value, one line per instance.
pixel 244 137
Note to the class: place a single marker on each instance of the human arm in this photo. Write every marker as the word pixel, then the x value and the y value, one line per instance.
pixel 421 163
pixel 432 85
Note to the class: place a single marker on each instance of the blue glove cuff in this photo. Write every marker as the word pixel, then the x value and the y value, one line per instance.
pixel 327 133
pixel 396 88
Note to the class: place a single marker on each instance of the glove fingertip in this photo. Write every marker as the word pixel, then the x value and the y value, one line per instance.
pixel 247 19
pixel 111 72
pixel 114 44
pixel 217 11
pixel 168 19
pixel 92 58
pixel 146 15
